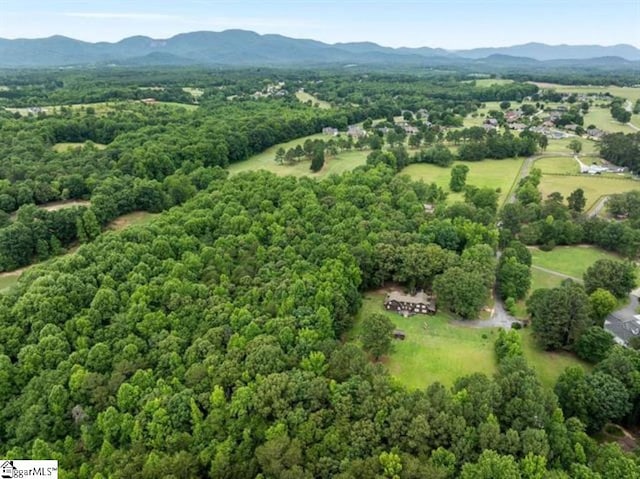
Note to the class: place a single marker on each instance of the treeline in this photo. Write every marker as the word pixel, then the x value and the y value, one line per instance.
pixel 622 150
pixel 208 343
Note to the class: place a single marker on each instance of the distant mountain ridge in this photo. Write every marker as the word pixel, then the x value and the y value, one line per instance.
pixel 245 48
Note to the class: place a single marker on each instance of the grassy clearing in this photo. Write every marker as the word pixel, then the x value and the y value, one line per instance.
pixel 63 147
pixel 601 117
pixel 304 97
pixel 443 351
pixel 569 260
pixel 486 173
pixel 594 186
pixel 547 365
pixel 344 161
pixel 132 219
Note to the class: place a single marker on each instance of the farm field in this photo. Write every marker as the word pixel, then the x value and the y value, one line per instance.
pixel 486 173
pixel 485 82
pixel 100 108
pixel 305 97
pixel 569 260
pixel 443 351
pixel 594 186
pixel 344 161
pixel 62 147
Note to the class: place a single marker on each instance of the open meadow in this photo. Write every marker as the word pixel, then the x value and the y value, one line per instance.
pixel 486 173
pixel 63 147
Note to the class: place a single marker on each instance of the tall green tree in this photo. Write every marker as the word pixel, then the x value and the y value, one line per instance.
pixel 376 334
pixel 458 177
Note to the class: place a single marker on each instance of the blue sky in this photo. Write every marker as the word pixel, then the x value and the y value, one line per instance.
pixel 449 24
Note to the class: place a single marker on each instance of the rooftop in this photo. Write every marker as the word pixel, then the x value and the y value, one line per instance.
pixel 420 297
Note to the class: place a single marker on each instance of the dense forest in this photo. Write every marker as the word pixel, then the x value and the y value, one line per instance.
pixel 214 341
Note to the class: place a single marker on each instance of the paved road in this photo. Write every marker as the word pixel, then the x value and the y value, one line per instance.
pixel 500 318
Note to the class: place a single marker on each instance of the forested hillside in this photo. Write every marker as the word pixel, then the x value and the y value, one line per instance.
pixel 218 339
pixel 207 344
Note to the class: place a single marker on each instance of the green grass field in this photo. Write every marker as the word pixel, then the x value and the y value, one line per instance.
pixel 443 351
pixel 62 147
pixel 589 147
pixel 601 117
pixel 594 186
pixel 561 165
pixel 131 219
pixel 305 97
pixel 542 279
pixel 344 161
pixel 569 260
pixel 486 173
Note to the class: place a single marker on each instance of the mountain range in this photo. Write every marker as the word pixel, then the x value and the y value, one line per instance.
pixel 245 48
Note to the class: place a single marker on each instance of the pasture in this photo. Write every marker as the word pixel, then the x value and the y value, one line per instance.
pixel 486 173
pixel 601 118
pixel 594 186
pixel 561 165
pixel 436 349
pixel 304 97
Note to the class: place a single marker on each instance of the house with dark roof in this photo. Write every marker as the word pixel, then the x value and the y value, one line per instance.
pixel 410 304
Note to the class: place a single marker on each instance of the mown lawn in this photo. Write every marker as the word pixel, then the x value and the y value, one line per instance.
pixel 437 350
pixel 589 147
pixel 542 279
pixel 569 260
pixel 344 161
pixel 486 173
pixel 594 186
